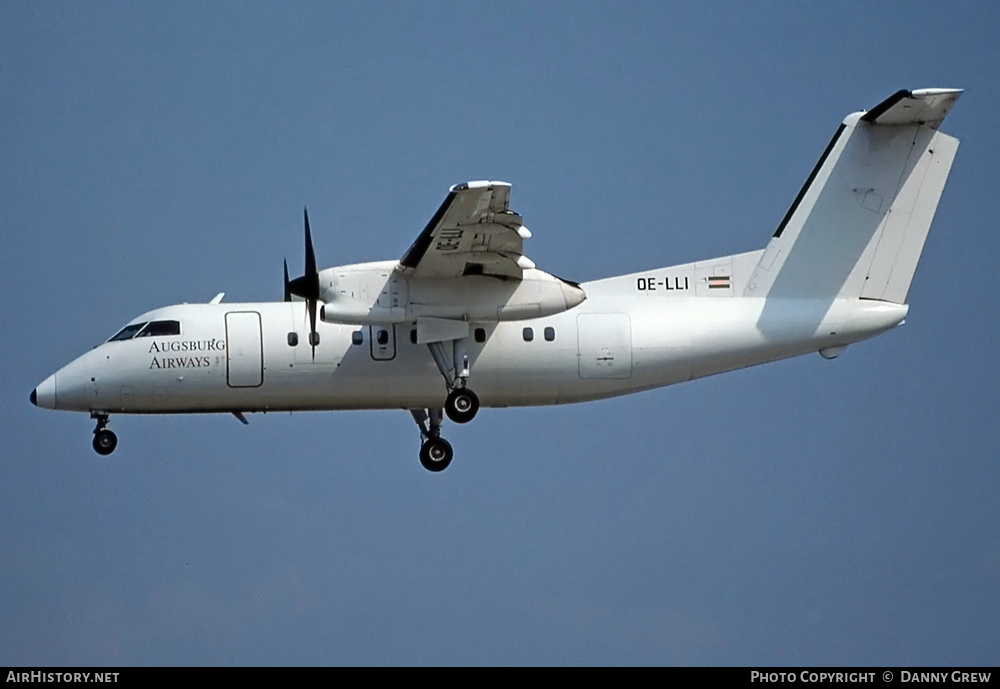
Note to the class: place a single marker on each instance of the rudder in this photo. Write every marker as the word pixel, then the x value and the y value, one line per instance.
pixel 900 242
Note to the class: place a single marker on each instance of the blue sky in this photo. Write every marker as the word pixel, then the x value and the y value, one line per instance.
pixel 804 512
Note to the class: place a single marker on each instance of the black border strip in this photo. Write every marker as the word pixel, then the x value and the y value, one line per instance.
pixel 809 181
pixel 423 242
pixel 884 106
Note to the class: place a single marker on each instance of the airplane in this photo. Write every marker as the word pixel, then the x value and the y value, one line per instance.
pixel 464 319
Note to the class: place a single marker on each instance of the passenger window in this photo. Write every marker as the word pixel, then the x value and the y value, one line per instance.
pixel 293 339
pixel 357 337
pixel 382 337
pixel 161 329
pixel 480 334
pixel 528 334
pixel 550 334
pixel 127 333
pixel 413 336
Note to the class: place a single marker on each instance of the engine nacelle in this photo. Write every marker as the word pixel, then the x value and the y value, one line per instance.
pixel 374 293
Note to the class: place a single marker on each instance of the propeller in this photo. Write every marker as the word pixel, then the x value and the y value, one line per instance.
pixel 307 286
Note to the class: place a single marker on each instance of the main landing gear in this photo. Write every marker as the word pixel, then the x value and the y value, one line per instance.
pixel 435 452
pixel 462 404
pixel 105 441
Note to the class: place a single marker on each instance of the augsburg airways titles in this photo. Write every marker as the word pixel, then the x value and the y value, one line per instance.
pixel 214 345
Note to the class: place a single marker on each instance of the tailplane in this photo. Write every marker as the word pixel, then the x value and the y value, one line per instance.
pixel 857 227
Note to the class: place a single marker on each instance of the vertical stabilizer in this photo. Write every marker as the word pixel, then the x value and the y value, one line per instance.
pixel 857 227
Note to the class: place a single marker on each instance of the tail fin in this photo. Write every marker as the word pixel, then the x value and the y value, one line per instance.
pixel 858 225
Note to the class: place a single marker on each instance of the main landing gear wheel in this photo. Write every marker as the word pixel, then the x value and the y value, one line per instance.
pixel 461 405
pixel 105 441
pixel 436 454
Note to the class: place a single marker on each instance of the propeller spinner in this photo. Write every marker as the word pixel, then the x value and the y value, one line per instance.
pixel 307 286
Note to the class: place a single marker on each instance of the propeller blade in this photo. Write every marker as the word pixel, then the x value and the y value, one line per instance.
pixel 307 286
pixel 310 254
pixel 313 336
pixel 288 291
pixel 313 277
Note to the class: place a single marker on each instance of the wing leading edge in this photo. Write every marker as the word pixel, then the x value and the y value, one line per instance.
pixel 474 232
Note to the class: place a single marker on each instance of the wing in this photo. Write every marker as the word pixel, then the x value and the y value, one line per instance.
pixel 474 232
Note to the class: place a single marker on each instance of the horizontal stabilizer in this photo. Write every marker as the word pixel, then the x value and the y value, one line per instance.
pixel 921 106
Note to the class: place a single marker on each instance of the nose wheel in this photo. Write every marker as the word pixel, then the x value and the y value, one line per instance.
pixel 105 441
pixel 435 452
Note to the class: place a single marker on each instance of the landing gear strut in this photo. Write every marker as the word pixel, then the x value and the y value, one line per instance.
pixel 105 441
pixel 435 452
pixel 462 403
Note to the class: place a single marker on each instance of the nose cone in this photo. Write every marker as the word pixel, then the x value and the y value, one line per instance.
pixel 44 395
pixel 572 293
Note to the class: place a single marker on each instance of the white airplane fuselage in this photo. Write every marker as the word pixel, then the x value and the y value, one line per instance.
pixel 465 320
pixel 237 357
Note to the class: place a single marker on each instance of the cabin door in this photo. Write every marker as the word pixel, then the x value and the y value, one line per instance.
pixel 244 350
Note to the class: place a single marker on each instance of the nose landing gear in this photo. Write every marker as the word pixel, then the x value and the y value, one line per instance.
pixel 435 452
pixel 105 441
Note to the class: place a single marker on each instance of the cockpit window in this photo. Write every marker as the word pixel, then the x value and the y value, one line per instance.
pixel 153 329
pixel 161 329
pixel 128 332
